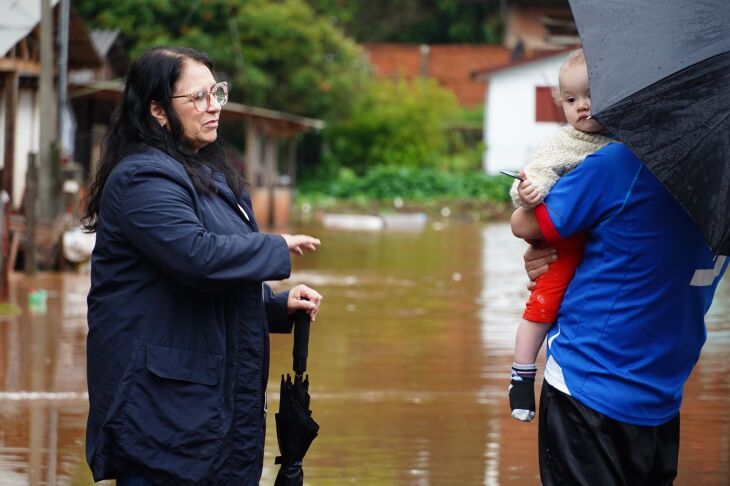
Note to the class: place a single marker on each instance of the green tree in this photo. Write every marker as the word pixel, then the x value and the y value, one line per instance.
pixel 300 61
pixel 287 55
pixel 428 21
pixel 278 54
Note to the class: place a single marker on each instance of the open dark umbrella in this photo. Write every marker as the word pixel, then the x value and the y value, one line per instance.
pixel 295 427
pixel 660 81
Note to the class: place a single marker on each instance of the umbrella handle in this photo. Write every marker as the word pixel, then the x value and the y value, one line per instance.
pixel 301 342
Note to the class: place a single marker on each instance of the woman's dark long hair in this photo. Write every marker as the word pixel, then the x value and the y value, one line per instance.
pixel 152 77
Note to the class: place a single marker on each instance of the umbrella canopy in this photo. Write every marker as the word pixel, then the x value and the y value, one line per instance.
pixel 660 82
pixel 295 427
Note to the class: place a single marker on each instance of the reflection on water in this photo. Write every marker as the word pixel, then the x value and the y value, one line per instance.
pixel 409 363
pixel 43 400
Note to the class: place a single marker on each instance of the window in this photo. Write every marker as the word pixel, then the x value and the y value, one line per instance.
pixel 545 108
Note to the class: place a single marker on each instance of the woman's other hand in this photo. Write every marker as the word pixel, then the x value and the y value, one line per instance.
pixel 537 261
pixel 303 298
pixel 298 243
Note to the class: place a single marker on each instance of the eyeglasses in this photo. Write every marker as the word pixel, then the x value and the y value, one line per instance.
pixel 201 98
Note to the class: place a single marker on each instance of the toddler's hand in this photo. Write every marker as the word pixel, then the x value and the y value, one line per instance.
pixel 529 194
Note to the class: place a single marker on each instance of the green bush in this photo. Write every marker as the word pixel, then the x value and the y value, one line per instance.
pixel 385 183
pixel 394 123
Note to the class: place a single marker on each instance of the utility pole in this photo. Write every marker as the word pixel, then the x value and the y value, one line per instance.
pixel 63 19
pixel 47 168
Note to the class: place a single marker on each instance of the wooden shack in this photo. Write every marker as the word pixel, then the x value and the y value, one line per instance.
pixel 20 122
pixel 19 80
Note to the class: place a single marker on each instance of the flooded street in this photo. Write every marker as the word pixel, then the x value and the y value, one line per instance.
pixel 409 363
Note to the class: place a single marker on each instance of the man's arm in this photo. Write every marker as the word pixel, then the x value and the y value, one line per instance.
pixel 537 262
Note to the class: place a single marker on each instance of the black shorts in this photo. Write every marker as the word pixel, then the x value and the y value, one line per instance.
pixel 579 446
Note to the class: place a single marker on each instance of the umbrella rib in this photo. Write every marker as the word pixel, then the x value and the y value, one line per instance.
pixel 699 141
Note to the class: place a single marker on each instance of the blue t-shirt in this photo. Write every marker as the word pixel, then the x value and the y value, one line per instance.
pixel 631 325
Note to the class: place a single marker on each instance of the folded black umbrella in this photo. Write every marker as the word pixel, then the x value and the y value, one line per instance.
pixel 295 427
pixel 660 82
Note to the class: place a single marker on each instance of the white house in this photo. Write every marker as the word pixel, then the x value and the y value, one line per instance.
pixel 519 111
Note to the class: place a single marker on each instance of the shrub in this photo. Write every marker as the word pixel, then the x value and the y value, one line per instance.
pixel 394 123
pixel 385 183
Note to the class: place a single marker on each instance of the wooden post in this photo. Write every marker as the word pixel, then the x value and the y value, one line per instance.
pixel 31 193
pixel 97 140
pixel 270 158
pixel 4 246
pixel 47 184
pixel 291 157
pixel 10 100
pixel 253 153
pixel 11 109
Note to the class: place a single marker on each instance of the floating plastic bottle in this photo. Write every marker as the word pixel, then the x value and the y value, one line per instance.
pixel 37 301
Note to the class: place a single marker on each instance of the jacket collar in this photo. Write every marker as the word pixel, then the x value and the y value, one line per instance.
pixel 227 195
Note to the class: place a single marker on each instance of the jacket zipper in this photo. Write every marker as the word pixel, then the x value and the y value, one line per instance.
pixel 264 398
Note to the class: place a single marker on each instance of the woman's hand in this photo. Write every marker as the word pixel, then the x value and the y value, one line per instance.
pixel 537 261
pixel 298 243
pixel 303 298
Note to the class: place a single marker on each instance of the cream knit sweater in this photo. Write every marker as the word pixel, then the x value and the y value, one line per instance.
pixel 556 157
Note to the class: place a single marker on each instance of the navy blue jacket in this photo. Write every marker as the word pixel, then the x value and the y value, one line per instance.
pixel 178 328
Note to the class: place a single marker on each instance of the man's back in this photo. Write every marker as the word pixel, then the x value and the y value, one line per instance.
pixel 631 324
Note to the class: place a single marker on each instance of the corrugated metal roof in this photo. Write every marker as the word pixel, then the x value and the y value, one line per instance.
pixel 103 40
pixel 19 17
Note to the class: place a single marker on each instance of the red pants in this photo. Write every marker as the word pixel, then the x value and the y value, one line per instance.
pixel 544 302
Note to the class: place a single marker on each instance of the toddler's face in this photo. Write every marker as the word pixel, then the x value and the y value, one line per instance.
pixel 575 98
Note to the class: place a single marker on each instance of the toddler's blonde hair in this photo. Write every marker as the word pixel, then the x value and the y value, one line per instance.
pixel 575 57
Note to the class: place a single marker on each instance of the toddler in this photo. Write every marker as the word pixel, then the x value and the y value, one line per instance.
pixel 558 155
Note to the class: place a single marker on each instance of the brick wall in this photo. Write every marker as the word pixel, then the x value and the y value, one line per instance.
pixel 450 65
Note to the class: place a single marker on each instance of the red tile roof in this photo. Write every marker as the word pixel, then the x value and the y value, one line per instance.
pixel 483 73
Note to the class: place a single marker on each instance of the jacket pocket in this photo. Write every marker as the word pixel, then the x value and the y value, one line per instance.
pixel 183 365
pixel 175 407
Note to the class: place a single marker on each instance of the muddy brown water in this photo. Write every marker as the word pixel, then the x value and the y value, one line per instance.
pixel 409 363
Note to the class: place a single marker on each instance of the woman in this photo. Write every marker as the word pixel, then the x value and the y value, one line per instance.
pixel 179 317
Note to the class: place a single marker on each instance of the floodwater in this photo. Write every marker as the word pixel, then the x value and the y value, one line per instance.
pixel 409 365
